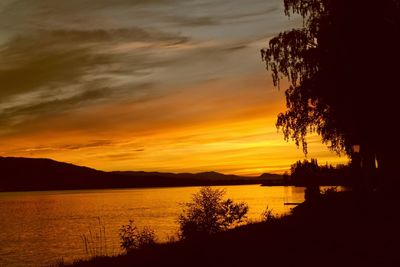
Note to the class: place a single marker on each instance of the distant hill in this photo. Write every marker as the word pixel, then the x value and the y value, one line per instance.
pixel 273 179
pixel 30 174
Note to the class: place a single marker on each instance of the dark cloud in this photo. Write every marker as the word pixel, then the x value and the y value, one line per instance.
pixel 89 144
pixel 51 7
pixel 219 13
pixel 190 21
pixel 72 146
pixel 122 156
pixel 48 72
pixel 255 13
pixel 235 47
pixel 54 57
pixel 45 56
pixel 109 35
pixel 30 116
pixel 31 64
pixel 55 106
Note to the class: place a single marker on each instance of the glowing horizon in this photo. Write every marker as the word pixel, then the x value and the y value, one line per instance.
pixel 101 85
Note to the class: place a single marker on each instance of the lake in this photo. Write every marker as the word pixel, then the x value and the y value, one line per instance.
pixel 40 228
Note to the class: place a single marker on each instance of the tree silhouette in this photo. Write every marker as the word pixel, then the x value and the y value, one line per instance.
pixel 208 213
pixel 342 75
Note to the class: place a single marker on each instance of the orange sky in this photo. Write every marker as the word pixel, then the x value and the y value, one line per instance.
pixel 99 84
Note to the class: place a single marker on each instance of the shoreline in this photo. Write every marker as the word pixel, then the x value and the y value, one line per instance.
pixel 340 229
pixel 205 183
pixel 228 183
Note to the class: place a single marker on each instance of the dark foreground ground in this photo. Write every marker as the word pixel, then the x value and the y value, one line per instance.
pixel 341 229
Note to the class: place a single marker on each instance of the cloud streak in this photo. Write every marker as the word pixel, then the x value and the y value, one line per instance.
pixel 53 71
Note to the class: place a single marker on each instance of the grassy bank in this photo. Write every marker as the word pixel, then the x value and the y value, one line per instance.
pixel 341 229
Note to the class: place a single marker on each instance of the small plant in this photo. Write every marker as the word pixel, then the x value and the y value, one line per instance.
pixel 95 242
pixel 128 234
pixel 209 213
pixel 268 214
pixel 146 237
pixel 132 238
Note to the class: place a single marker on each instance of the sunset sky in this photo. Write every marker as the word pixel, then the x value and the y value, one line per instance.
pixel 154 85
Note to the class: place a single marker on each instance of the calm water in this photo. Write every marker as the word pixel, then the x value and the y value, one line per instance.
pixel 39 228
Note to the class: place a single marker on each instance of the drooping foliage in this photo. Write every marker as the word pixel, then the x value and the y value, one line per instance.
pixel 341 68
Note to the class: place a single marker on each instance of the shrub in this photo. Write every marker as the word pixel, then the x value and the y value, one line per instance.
pixel 268 215
pixel 209 213
pixel 132 238
pixel 146 237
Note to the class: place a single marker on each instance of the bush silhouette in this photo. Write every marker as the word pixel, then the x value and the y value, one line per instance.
pixel 133 238
pixel 268 215
pixel 209 213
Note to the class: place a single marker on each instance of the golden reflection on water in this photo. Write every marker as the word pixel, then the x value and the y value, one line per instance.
pixel 39 228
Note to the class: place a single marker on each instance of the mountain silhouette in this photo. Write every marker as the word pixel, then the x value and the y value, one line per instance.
pixel 30 174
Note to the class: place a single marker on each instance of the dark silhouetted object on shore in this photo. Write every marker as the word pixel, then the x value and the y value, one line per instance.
pixel 208 213
pixel 342 67
pixel 303 173
pixel 133 238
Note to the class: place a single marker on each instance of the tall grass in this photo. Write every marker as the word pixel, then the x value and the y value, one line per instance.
pixel 95 241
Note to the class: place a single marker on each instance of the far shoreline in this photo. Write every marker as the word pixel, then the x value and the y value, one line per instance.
pixel 161 187
pixel 139 187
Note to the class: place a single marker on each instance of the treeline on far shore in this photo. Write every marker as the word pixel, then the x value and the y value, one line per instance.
pixel 308 172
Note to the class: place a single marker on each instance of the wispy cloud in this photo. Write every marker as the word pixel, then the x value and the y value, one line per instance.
pixel 58 147
pixel 53 71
